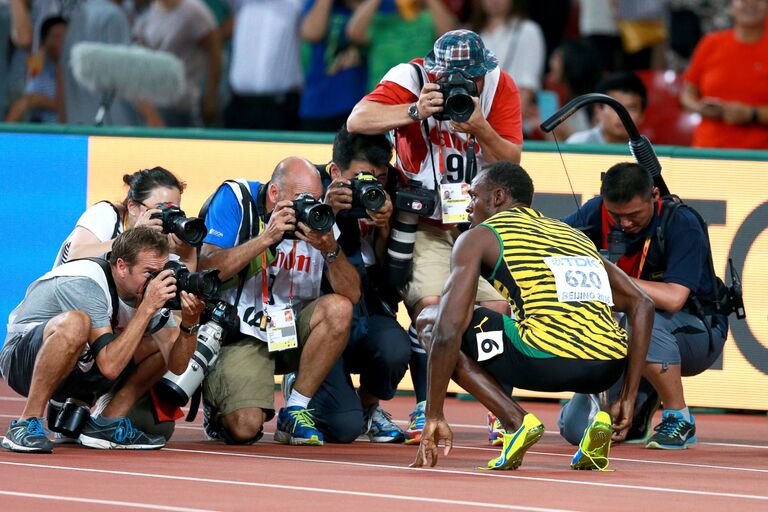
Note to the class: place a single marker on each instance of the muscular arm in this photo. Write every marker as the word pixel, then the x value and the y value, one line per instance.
pixel 344 278
pixel 669 297
pixel 453 317
pixel 495 147
pixel 85 244
pixel 176 346
pixel 115 357
pixel 630 299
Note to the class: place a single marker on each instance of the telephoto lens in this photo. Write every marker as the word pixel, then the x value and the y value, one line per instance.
pixel 400 248
pixel 191 230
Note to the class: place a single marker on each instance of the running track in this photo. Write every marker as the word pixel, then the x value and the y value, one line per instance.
pixel 726 470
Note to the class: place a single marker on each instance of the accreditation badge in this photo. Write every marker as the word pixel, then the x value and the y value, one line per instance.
pixel 454 199
pixel 281 329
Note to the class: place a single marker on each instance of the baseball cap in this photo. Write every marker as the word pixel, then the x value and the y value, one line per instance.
pixel 460 50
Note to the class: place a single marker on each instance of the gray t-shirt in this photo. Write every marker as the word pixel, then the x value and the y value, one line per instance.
pixel 179 31
pixel 591 136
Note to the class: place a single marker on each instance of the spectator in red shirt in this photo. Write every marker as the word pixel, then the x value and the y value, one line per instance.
pixel 727 82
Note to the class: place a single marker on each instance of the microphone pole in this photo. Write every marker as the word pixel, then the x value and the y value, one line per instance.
pixel 639 145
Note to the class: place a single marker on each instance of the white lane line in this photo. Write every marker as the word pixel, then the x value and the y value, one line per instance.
pixel 420 499
pixel 487 474
pixel 123 504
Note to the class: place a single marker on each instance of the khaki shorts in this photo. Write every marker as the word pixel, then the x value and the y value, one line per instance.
pixel 431 266
pixel 244 375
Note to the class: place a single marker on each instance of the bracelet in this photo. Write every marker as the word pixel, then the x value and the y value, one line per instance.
pixel 755 116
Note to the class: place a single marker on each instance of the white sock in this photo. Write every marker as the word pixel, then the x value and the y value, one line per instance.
pixel 686 414
pixel 297 399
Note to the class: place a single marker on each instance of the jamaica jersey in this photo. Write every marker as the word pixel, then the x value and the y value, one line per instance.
pixel 557 285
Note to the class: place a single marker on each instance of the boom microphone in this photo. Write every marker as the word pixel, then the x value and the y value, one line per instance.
pixel 131 73
pixel 639 145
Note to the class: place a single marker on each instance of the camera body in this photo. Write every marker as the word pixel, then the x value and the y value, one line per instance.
pixel 221 320
pixel 204 285
pixel 414 198
pixel 312 212
pixel 367 194
pixel 191 230
pixel 458 104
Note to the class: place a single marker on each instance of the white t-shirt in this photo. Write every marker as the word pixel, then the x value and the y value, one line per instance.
pixel 101 219
pixel 519 46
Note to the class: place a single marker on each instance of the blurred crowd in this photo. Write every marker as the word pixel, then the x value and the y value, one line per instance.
pixel 304 64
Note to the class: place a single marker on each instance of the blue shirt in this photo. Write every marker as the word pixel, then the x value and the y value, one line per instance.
pixel 686 250
pixel 224 215
pixel 329 95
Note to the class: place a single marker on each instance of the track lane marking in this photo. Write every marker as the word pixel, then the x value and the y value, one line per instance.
pixel 95 501
pixel 421 499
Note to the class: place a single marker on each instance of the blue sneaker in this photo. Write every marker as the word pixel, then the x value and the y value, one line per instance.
pixel 28 436
pixel 416 424
pixel 673 433
pixel 296 426
pixel 380 428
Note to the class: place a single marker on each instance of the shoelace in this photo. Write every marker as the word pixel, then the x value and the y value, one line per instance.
pixel 670 426
pixel 302 417
pixel 417 419
pixel 35 427
pixel 383 420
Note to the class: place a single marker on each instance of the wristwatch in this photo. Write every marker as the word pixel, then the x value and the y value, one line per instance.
pixel 330 257
pixel 413 112
pixel 189 330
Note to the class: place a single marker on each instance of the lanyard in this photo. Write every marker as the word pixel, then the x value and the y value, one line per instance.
pixel 646 246
pixel 264 269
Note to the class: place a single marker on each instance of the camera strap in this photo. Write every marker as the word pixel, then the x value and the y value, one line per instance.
pixel 425 128
pixel 107 269
pixel 264 285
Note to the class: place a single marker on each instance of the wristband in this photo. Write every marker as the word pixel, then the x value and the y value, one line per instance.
pixel 189 330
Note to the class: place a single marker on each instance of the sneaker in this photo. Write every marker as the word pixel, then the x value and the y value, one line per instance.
pixel 27 436
pixel 495 430
pixel 59 438
pixel 211 432
pixel 673 433
pixel 289 379
pixel 416 424
pixel 380 428
pixel 515 445
pixel 595 445
pixel 640 431
pixel 117 434
pixel 296 426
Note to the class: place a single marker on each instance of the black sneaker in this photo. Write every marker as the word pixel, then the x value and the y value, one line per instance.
pixel 118 434
pixel 641 429
pixel 673 433
pixel 28 436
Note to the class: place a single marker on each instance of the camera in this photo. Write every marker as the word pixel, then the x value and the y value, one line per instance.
pixel 204 285
pixel 367 194
pixel 191 230
pixel 414 198
pixel 315 214
pixel 458 104
pixel 617 243
pixel 68 418
pixel 221 320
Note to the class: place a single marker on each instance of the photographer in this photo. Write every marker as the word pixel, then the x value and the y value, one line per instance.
pixel 89 326
pixel 98 226
pixel 667 253
pixel 261 236
pixel 378 348
pixel 443 153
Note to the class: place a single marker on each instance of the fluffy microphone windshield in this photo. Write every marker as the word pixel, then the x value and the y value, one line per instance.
pixel 129 72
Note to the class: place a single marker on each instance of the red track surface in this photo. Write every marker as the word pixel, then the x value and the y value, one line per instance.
pixel 726 470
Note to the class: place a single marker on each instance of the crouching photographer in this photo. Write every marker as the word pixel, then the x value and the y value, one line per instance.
pixel 356 183
pixel 153 200
pixel 274 245
pixel 91 326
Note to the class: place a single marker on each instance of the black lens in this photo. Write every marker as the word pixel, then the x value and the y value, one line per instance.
pixel 203 284
pixel 372 197
pixel 320 218
pixel 191 230
pixel 459 105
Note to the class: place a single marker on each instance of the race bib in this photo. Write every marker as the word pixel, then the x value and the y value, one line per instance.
pixel 580 279
pixel 454 199
pixel 281 329
pixel 489 345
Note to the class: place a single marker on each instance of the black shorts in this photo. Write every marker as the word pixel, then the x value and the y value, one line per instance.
pixel 488 339
pixel 85 382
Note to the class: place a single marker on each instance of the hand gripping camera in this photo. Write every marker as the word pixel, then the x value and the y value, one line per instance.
pixel 204 285
pixel 367 194
pixel 178 389
pixel 190 229
pixel 458 104
pixel 315 214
